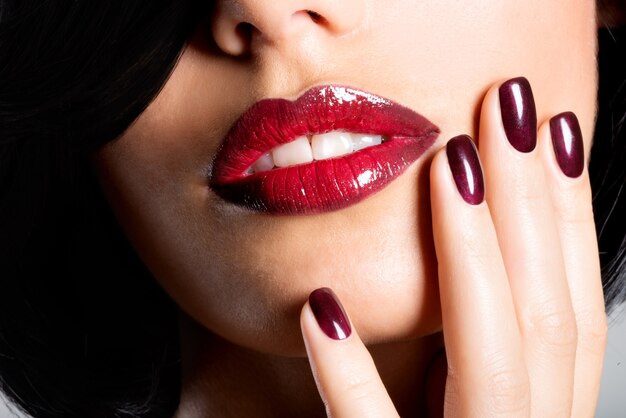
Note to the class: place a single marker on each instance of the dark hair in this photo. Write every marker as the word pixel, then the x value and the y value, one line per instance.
pixel 607 166
pixel 84 330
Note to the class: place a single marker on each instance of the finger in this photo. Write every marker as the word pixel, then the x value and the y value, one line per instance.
pixel 568 182
pixel 521 207
pixel 344 371
pixel 486 371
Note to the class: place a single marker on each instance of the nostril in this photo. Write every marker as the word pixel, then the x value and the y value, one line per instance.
pixel 244 31
pixel 316 17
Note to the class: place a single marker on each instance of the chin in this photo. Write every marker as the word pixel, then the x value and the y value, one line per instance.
pixel 378 256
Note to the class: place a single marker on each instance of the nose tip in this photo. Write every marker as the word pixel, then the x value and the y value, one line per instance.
pixel 239 24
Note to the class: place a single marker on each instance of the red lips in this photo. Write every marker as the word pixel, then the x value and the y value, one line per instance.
pixel 323 185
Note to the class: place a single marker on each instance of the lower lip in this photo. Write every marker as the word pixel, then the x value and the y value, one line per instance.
pixel 325 185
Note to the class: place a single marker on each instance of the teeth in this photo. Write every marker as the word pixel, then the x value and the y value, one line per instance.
pixel 322 147
pixel 331 144
pixel 361 141
pixel 265 163
pixel 292 153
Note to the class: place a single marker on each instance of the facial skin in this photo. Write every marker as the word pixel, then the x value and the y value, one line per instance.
pixel 245 275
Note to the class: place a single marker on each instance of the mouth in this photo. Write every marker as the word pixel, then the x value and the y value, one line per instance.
pixel 329 149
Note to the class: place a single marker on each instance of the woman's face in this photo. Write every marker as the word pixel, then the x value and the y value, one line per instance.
pixel 245 274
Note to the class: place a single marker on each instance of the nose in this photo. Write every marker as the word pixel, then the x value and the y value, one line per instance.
pixel 240 25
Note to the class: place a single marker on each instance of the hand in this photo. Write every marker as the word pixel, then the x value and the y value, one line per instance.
pixel 521 296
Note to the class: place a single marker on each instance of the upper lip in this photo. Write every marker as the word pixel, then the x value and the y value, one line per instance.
pixel 272 122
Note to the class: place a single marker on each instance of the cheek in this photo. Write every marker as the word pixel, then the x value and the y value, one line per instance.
pixel 450 58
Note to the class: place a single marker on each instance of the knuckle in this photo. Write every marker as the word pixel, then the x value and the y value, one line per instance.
pixel 593 331
pixel 556 328
pixel 530 195
pixel 509 391
pixel 476 255
pixel 576 217
pixel 524 185
pixel 358 389
pixel 575 205
pixel 499 389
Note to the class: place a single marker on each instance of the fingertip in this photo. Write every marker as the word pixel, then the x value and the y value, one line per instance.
pixel 311 331
pixel 571 196
pixel 439 161
pixel 440 175
pixel 508 122
pixel 323 317
pixel 490 118
pixel 456 172
pixel 562 146
pixel 306 316
pixel 308 328
pixel 466 169
pixel 546 150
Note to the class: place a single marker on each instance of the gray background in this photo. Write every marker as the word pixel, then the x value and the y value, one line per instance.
pixel 612 403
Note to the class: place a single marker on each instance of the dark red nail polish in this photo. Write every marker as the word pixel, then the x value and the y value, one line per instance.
pixel 329 314
pixel 567 140
pixel 466 169
pixel 519 117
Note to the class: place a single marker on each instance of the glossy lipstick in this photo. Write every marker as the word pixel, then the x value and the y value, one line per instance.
pixel 321 185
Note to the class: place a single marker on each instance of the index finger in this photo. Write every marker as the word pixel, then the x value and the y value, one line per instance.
pixel 344 371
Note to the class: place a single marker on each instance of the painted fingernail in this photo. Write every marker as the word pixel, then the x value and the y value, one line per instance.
pixel 567 140
pixel 466 169
pixel 519 117
pixel 329 314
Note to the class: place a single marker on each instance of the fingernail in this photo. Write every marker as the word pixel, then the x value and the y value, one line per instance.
pixel 519 117
pixel 466 169
pixel 567 140
pixel 329 314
